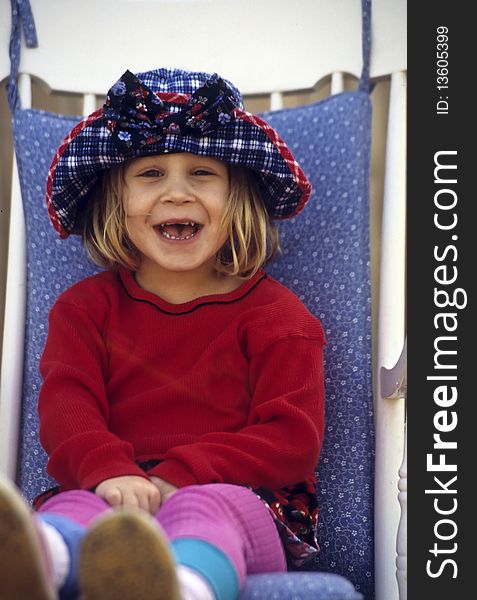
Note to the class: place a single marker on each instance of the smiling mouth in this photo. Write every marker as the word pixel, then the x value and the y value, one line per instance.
pixel 179 231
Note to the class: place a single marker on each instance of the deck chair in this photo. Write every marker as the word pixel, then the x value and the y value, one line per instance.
pixel 325 260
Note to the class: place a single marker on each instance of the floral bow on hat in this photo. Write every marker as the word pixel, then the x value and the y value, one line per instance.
pixel 136 116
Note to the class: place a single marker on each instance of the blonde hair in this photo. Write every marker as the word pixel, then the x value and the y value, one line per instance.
pixel 252 237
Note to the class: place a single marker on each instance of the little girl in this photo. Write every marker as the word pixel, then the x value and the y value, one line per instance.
pixel 182 386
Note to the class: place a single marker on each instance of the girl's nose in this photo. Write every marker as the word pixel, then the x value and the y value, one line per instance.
pixel 177 191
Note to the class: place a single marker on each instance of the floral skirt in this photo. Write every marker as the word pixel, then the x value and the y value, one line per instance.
pixel 293 508
pixel 295 512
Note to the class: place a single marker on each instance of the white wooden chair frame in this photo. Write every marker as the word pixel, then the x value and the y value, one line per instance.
pixel 265 46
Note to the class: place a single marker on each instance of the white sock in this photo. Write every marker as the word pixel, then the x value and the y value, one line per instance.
pixel 193 585
pixel 58 552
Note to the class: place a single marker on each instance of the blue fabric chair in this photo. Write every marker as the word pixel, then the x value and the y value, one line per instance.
pixel 325 261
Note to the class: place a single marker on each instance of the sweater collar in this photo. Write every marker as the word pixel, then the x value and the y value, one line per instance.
pixel 135 292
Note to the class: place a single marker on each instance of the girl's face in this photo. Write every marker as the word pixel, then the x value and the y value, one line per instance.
pixel 175 204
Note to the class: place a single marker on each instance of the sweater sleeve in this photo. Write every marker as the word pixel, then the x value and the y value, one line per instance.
pixel 281 442
pixel 73 406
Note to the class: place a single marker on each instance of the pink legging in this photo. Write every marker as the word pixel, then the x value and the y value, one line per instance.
pixel 230 517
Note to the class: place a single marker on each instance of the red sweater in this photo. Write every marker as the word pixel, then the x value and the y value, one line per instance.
pixel 223 389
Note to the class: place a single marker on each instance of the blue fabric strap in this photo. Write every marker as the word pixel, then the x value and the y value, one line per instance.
pixel 72 533
pixel 22 17
pixel 211 563
pixel 366 45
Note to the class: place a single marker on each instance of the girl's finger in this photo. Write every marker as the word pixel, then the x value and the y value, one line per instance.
pixel 113 496
pixel 131 499
pixel 155 500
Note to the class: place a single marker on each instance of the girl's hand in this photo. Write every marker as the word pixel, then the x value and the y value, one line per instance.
pixel 130 491
pixel 165 488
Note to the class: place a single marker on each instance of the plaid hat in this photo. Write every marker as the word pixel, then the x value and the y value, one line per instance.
pixel 164 111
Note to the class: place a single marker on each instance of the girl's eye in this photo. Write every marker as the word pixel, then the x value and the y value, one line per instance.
pixel 202 172
pixel 150 173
